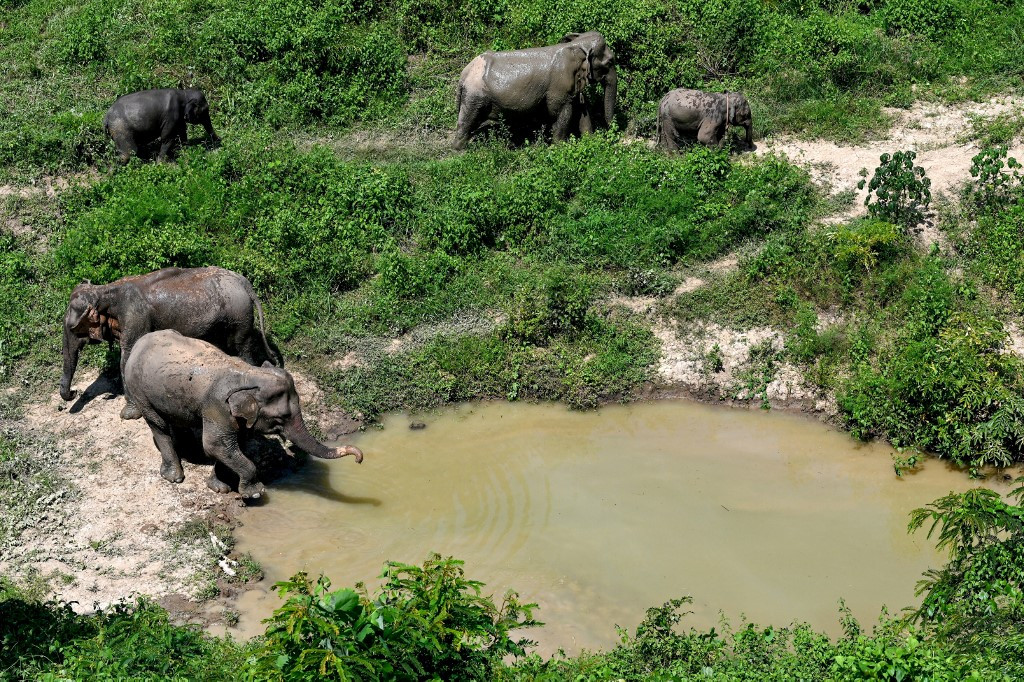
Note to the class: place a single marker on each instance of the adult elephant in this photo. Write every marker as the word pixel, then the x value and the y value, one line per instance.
pixel 138 119
pixel 212 303
pixel 542 85
pixel 183 385
pixel 706 116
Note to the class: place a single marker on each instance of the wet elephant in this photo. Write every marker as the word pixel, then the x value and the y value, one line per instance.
pixel 540 86
pixel 704 116
pixel 138 119
pixel 182 384
pixel 212 303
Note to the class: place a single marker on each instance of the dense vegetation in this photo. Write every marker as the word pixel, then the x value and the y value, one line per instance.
pixel 431 622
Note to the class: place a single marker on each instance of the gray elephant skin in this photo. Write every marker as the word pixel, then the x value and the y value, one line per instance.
pixel 211 303
pixel 183 385
pixel 705 116
pixel 540 86
pixel 138 119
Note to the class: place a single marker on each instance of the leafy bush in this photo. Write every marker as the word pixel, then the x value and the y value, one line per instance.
pixel 993 188
pixel 901 190
pixel 928 18
pixel 424 623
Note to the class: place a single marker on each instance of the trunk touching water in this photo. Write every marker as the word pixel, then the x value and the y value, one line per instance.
pixel 297 433
pixel 72 348
pixel 611 86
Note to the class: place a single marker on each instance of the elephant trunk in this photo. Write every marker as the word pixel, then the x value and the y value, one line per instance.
pixel 749 127
pixel 611 86
pixel 297 433
pixel 71 348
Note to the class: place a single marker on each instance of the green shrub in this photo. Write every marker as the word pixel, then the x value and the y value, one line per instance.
pixel 424 623
pixel 928 18
pixel 901 190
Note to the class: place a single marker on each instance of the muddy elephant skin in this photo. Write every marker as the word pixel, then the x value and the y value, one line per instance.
pixel 138 119
pixel 540 86
pixel 212 303
pixel 705 116
pixel 183 385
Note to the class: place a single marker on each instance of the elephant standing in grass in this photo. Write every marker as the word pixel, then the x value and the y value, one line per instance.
pixel 705 116
pixel 139 119
pixel 208 303
pixel 539 87
pixel 182 385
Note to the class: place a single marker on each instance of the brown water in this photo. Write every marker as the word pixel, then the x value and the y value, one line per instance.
pixel 598 515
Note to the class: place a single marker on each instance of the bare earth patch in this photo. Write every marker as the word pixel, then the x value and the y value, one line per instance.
pixel 117 531
pixel 933 130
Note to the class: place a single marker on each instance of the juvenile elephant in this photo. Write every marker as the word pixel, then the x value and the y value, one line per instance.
pixel 182 385
pixel 138 119
pixel 206 303
pixel 539 85
pixel 705 115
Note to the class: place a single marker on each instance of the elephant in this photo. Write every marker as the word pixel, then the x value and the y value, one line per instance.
pixel 207 303
pixel 136 120
pixel 544 85
pixel 707 115
pixel 183 386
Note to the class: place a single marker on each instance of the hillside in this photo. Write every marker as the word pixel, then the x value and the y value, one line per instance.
pixel 398 274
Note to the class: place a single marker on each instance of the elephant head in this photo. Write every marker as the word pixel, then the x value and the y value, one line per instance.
pixel 197 110
pixel 738 114
pixel 601 59
pixel 86 321
pixel 266 401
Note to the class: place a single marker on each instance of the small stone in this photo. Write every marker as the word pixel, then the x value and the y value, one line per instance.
pixel 416 426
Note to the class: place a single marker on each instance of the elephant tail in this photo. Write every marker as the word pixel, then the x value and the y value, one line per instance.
pixel 459 94
pixel 263 329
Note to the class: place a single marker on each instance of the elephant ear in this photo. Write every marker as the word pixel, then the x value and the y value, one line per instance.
pixel 569 37
pixel 96 321
pixel 582 76
pixel 191 105
pixel 245 405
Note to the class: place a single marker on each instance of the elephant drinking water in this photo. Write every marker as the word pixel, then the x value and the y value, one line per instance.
pixel 182 385
pixel 542 85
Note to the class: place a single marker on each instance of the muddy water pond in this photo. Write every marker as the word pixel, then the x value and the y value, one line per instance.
pixel 598 515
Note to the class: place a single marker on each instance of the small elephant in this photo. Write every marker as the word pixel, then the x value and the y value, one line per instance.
pixel 207 303
pixel 182 385
pixel 136 120
pixel 706 115
pixel 542 85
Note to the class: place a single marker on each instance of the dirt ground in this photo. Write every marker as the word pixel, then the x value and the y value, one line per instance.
pixel 120 529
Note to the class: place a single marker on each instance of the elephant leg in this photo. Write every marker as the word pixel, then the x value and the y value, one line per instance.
pixel 171 466
pixel 126 146
pixel 169 136
pixel 214 483
pixel 708 133
pixel 560 128
pixel 669 138
pixel 222 445
pixel 130 409
pixel 472 114
pixel 250 347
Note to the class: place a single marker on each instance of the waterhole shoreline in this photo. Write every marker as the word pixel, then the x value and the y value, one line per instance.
pixel 576 585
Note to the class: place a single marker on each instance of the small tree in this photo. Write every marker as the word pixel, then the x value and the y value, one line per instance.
pixel 899 189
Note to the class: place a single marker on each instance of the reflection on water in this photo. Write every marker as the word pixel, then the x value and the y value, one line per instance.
pixel 598 515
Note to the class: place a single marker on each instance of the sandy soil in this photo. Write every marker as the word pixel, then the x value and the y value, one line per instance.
pixel 120 529
pixel 935 131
